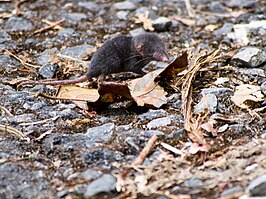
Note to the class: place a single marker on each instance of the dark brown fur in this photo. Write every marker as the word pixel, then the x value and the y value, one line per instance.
pixel 120 54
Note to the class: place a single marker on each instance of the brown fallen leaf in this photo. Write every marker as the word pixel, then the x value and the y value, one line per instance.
pixel 74 92
pixel 247 95
pixel 144 19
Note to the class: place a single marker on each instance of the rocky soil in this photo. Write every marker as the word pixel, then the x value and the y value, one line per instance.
pixel 55 149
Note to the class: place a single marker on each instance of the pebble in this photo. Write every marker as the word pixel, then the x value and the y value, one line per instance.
pixel 144 10
pixel 249 57
pixel 257 187
pixel 216 91
pixel 8 63
pixel 217 7
pixel 90 6
pixel 66 32
pixel 22 118
pixel 103 157
pixel 224 30
pixel 136 32
pixel 100 134
pixel 74 18
pixel 75 52
pixel 15 24
pixel 252 71
pixel 193 182
pixel 212 104
pixel 162 24
pixel 177 134
pixel 48 70
pixel 233 192
pixel 152 114
pixel 46 56
pixel 150 133
pixel 4 36
pixel 159 122
pixel 106 183
pixel 240 3
pixel 124 5
pixel 91 174
pixel 122 15
pixel 263 88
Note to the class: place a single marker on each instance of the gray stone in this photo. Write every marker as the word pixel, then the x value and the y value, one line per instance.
pixel 136 32
pixel 22 118
pixel 30 41
pixel 193 182
pixel 122 15
pixel 216 91
pixel 230 193
pixel 257 187
pixel 4 36
pixel 100 133
pixel 46 56
pixel 106 183
pixel 90 6
pixel 159 122
pixel 212 104
pixel 162 24
pixel 240 3
pixel 91 174
pixel 75 52
pixel 263 88
pixel 18 24
pixel 48 70
pixel 144 10
pixel 217 7
pixel 66 32
pixel 252 71
pixel 103 157
pixel 8 63
pixel 69 114
pixel 150 133
pixel 75 17
pixel 177 134
pixel 224 30
pixel 124 5
pixel 152 114
pixel 249 57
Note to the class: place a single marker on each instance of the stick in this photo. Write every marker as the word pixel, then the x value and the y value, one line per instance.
pixel 49 26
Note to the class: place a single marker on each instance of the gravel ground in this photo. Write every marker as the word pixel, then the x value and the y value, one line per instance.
pixel 58 149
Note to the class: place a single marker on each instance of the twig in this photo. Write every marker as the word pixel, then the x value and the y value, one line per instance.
pixel 6 111
pixel 145 151
pixel 171 148
pixel 14 132
pixel 39 122
pixel 22 61
pixel 191 12
pixel 17 5
pixel 49 26
pixel 43 135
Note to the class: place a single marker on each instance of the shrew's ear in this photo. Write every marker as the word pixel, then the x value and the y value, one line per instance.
pixel 139 47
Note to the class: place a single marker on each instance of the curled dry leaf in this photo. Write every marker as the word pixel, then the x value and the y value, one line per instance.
pixel 145 91
pixel 195 148
pixel 246 95
pixel 144 18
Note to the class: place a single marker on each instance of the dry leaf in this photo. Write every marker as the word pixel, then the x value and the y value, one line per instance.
pixel 195 148
pixel 207 126
pixel 144 18
pixel 145 91
pixel 74 92
pixel 245 94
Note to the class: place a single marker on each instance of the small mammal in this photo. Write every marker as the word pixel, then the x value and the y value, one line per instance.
pixel 120 54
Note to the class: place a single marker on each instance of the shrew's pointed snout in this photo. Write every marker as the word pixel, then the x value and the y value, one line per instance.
pixel 161 56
